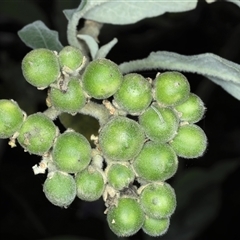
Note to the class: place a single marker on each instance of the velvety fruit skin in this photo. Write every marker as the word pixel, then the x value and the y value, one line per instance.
pixel 11 118
pixel 126 218
pixel 192 110
pixel 70 57
pixel 171 88
pixel 70 101
pixel 155 162
pixel 134 95
pixel 37 134
pixel 71 152
pixel 40 67
pixel 190 141
pixel 90 184
pixel 60 189
pixel 101 78
pixel 120 176
pixel 159 123
pixel 158 200
pixel 121 139
pixel 156 227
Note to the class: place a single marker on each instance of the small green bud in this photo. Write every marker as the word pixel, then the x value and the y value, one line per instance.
pixel 60 189
pixel 101 78
pixel 11 118
pixel 171 88
pixel 158 200
pixel 71 100
pixel 160 124
pixel 126 218
pixel 71 152
pixel 37 134
pixel 121 139
pixel 134 95
pixel 190 141
pixel 90 184
pixel 155 162
pixel 40 67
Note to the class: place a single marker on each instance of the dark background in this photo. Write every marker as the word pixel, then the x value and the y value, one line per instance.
pixel 207 188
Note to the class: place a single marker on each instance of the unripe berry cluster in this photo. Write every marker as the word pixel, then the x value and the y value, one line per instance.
pixel 145 125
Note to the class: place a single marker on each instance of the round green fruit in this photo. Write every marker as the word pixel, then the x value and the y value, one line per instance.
pixel 121 139
pixel 70 57
pixel 192 110
pixel 119 175
pixel 126 218
pixel 101 78
pixel 158 200
pixel 156 227
pixel 90 184
pixel 11 118
pixel 155 162
pixel 60 189
pixel 37 134
pixel 71 152
pixel 190 141
pixel 71 100
pixel 134 95
pixel 40 67
pixel 171 88
pixel 159 123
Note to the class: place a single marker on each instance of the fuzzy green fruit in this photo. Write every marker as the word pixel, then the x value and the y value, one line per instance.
pixel 40 67
pixel 71 58
pixel 11 118
pixel 159 123
pixel 155 162
pixel 90 184
pixel 190 141
pixel 37 134
pixel 134 95
pixel 60 189
pixel 192 110
pixel 71 152
pixel 119 175
pixel 156 227
pixel 71 100
pixel 158 200
pixel 126 218
pixel 101 78
pixel 171 88
pixel 121 139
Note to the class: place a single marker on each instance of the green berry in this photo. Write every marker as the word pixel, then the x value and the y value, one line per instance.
pixel 60 189
pixel 37 134
pixel 70 57
pixel 90 184
pixel 101 78
pixel 156 162
pixel 160 124
pixel 121 139
pixel 71 100
pixel 171 88
pixel 126 218
pixel 119 175
pixel 11 118
pixel 192 110
pixel 71 152
pixel 158 200
pixel 156 227
pixel 134 95
pixel 190 141
pixel 40 67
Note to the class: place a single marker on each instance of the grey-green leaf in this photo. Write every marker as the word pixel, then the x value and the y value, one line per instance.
pixel 38 35
pixel 219 70
pixel 235 1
